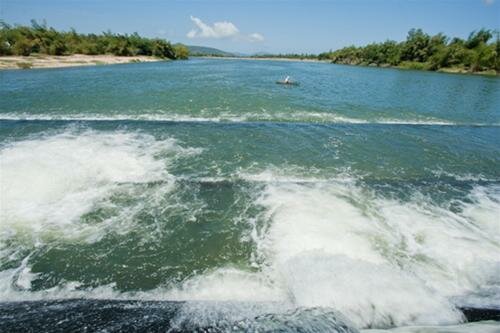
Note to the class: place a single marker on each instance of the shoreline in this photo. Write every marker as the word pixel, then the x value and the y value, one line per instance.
pixel 37 61
pixel 75 60
pixel 446 70
pixel 264 59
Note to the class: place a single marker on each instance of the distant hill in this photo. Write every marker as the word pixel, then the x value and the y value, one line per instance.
pixel 207 51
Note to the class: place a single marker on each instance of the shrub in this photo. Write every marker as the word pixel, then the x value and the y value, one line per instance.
pixel 24 65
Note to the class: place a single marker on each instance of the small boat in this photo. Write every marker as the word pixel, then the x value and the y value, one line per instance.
pixel 289 83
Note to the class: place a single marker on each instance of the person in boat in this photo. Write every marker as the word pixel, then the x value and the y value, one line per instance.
pixel 287 79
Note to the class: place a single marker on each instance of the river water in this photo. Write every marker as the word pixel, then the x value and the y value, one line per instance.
pixel 364 198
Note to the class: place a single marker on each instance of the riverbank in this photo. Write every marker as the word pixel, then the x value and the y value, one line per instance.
pixel 450 70
pixel 265 58
pixel 49 61
pixel 457 70
pixel 421 67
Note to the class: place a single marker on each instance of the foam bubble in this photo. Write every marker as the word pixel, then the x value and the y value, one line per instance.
pixel 368 294
pixel 379 261
pixel 333 243
pixel 48 183
pixel 315 217
pixel 264 116
pixel 15 285
pixel 228 284
pixel 484 209
pixel 480 327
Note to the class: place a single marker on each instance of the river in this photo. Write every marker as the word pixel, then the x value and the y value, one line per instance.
pixel 362 199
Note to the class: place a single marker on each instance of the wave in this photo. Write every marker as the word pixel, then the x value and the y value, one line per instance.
pixel 329 243
pixel 49 183
pixel 380 262
pixel 167 316
pixel 171 316
pixel 289 117
pixel 483 327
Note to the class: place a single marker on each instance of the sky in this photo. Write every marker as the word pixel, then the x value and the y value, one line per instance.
pixel 264 26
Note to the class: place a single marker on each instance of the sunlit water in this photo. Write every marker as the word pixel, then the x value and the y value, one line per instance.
pixel 364 196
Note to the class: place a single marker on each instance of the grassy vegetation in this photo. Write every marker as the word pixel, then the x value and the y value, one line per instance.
pixel 24 65
pixel 40 39
pixel 412 65
pixel 479 53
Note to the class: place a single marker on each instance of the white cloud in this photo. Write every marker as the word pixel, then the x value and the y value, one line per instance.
pixel 488 2
pixel 222 29
pixel 256 37
pixel 218 30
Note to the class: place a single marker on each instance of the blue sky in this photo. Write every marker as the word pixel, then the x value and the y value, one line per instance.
pixel 261 26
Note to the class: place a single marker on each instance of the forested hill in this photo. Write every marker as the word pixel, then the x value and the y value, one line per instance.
pixel 38 38
pixel 480 52
pixel 207 51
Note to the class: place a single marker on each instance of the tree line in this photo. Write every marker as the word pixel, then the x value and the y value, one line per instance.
pixel 300 56
pixel 478 53
pixel 38 38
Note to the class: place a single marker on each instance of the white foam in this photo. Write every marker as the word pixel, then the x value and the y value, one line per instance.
pixel 113 117
pixel 48 183
pixel 227 284
pixel 291 116
pixel 380 262
pixel 484 210
pixel 377 260
pixel 19 278
pixel 368 294
pixel 315 217
pixel 292 174
pixel 449 251
pixel 479 327
pixel 222 285
pixel 465 177
pixel 331 243
pixel 11 290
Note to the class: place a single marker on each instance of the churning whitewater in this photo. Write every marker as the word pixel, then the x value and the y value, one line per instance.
pixel 275 221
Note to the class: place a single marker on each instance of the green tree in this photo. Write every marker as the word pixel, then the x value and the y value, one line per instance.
pixel 478 37
pixel 416 46
pixel 422 51
pixel 22 47
pixel 162 49
pixel 497 52
pixel 181 51
pixel 39 38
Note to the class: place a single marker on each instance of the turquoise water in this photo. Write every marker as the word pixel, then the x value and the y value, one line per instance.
pixel 372 192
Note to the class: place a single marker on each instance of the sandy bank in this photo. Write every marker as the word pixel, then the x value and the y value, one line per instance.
pixel 48 61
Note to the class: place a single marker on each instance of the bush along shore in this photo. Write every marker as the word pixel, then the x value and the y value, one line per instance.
pixel 479 53
pixel 38 39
